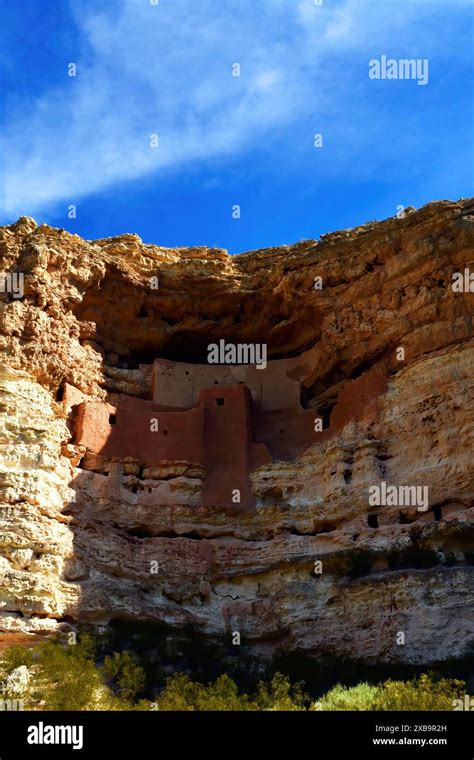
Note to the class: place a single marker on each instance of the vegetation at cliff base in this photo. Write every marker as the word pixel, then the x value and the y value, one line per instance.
pixel 424 693
pixel 77 677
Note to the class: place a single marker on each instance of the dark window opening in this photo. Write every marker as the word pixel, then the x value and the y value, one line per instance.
pixel 216 382
pixel 325 412
pixel 137 533
pixel 60 393
pixel 305 397
pixel 142 314
pixel 220 401
pixel 112 419
pixel 438 515
pixel 281 432
pixel 373 521
pixel 165 432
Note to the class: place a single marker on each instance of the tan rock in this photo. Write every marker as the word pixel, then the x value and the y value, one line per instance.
pixel 95 539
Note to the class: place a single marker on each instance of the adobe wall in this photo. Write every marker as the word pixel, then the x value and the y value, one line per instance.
pixel 178 384
pixel 358 398
pixel 285 433
pixel 226 429
pixel 229 451
pixel 91 424
pixel 216 433
pixel 126 431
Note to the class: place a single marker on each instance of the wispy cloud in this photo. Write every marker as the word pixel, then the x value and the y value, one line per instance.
pixel 167 70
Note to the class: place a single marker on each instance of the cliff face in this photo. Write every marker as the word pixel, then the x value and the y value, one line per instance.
pixel 315 565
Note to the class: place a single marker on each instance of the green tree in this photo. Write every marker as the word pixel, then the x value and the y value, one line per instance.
pixel 180 693
pixel 14 657
pixel 280 694
pixel 125 672
pixel 428 692
pixel 67 678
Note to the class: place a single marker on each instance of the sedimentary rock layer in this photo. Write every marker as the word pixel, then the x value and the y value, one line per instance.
pixel 88 538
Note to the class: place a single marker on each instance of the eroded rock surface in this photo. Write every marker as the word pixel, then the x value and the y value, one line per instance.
pixel 91 536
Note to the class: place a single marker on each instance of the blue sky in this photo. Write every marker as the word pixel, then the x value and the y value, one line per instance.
pixel 166 69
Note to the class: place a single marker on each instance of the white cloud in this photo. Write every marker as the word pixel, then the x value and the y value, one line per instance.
pixel 167 69
pixel 266 80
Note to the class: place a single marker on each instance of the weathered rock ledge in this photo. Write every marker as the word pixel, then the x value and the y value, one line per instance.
pixel 78 544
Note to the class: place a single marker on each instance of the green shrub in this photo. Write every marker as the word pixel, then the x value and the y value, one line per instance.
pixel 428 692
pixel 279 694
pixel 86 647
pixel 71 678
pixel 361 697
pixel 181 693
pixel 425 693
pixel 14 657
pixel 127 675
pixel 67 679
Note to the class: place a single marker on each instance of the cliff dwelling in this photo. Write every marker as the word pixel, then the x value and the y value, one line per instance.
pixel 226 421
pixel 141 484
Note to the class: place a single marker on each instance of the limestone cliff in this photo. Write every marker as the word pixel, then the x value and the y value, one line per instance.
pixel 90 537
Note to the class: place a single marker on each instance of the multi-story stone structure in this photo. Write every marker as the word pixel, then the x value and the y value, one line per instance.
pixel 228 419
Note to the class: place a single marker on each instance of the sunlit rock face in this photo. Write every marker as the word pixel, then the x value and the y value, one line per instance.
pixel 351 449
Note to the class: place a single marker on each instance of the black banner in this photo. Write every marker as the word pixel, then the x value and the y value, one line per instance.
pixel 126 734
